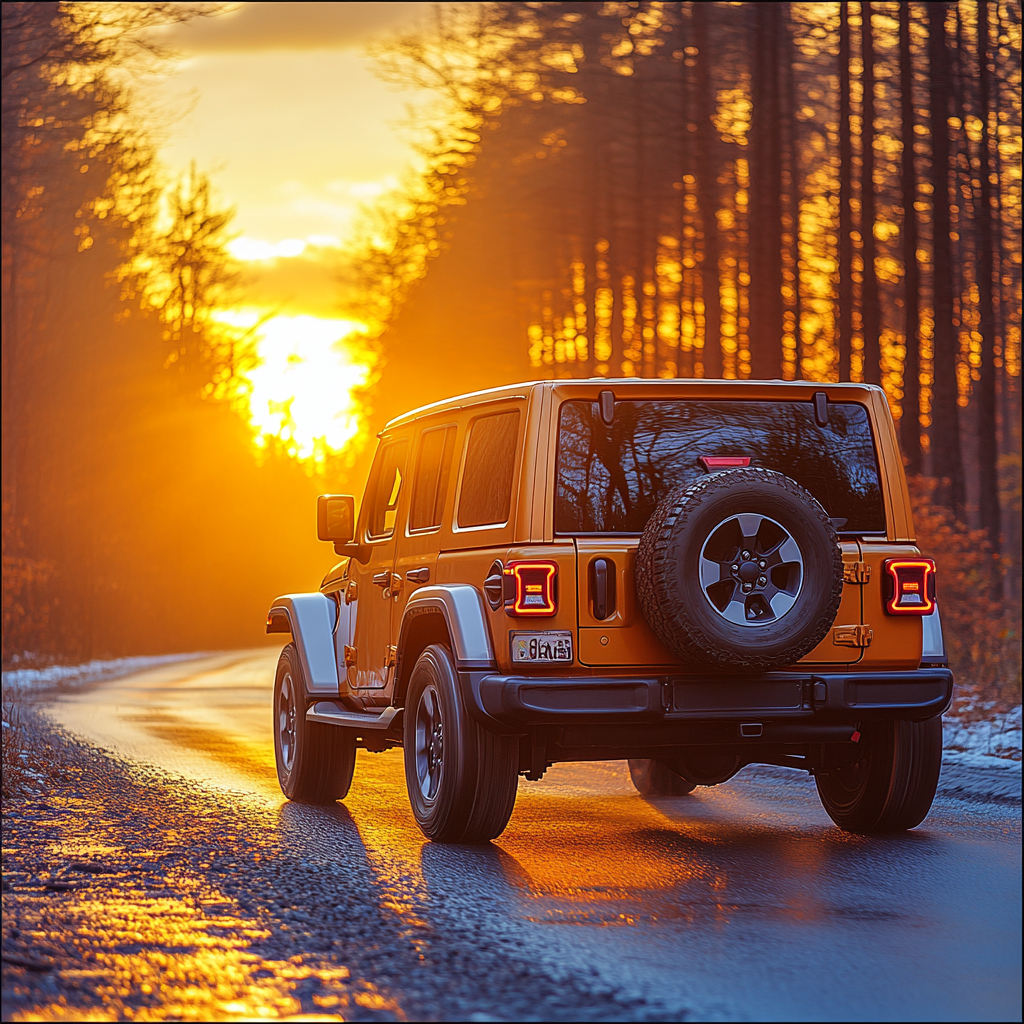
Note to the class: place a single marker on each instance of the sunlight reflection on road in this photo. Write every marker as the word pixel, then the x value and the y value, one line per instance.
pixel 562 854
pixel 751 870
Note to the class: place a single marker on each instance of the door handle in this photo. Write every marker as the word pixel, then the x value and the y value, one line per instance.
pixel 602 587
pixel 382 579
pixel 418 575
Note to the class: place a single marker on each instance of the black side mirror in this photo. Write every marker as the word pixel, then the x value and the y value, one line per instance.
pixel 336 517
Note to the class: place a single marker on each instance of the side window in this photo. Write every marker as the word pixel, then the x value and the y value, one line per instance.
pixel 487 477
pixel 430 486
pixel 389 488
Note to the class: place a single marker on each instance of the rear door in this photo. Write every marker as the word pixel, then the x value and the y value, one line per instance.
pixel 611 477
pixel 419 542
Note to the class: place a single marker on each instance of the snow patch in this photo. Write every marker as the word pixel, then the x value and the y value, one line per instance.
pixel 994 742
pixel 55 675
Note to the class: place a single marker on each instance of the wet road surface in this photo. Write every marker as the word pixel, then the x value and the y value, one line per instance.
pixel 739 902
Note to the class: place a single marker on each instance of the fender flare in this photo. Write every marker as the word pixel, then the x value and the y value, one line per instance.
pixel 310 619
pixel 462 607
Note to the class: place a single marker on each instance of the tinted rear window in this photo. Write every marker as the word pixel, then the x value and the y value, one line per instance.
pixel 490 461
pixel 611 479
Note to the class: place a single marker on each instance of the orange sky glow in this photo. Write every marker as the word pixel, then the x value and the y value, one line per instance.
pixel 278 102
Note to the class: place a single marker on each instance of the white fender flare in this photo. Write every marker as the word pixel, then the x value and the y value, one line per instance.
pixel 310 619
pixel 463 609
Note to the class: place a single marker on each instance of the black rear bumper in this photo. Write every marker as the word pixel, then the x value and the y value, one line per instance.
pixel 776 706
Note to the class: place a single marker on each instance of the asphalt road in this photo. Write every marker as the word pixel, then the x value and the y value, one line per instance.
pixel 738 902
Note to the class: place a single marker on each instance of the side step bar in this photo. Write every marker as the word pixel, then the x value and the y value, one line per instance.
pixel 334 714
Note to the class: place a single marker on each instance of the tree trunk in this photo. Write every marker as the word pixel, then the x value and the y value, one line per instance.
pixel 766 311
pixel 793 161
pixel 910 421
pixel 988 439
pixel 870 311
pixel 844 307
pixel 947 461
pixel 707 192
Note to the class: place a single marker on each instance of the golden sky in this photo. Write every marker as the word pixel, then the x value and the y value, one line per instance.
pixel 279 104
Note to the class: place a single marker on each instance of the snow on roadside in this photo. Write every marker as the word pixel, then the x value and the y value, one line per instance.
pixel 55 675
pixel 994 742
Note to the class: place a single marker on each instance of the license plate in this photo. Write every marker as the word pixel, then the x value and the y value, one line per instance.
pixel 542 648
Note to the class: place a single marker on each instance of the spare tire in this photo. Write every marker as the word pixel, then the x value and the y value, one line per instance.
pixel 740 572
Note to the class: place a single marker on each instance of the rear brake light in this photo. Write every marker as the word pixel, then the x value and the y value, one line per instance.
pixel 710 462
pixel 909 586
pixel 532 588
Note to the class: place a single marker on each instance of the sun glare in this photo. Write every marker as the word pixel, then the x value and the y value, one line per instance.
pixel 256 250
pixel 250 249
pixel 302 389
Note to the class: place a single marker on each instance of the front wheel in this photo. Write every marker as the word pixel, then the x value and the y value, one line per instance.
pixel 461 778
pixel 891 787
pixel 652 778
pixel 315 761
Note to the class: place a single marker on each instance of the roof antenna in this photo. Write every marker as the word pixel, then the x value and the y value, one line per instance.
pixel 821 408
pixel 606 400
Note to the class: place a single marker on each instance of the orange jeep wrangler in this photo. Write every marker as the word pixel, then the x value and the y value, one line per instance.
pixel 689 575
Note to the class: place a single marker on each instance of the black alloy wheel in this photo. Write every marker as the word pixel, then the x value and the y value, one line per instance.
pixel 890 788
pixel 461 778
pixel 315 761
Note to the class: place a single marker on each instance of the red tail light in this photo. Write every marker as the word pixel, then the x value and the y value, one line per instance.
pixel 909 586
pixel 531 588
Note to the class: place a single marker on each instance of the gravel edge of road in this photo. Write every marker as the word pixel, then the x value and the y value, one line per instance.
pixel 69 925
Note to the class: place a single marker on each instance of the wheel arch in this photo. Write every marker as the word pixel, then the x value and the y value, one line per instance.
pixel 451 615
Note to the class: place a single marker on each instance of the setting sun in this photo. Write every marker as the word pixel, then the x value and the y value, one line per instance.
pixel 302 389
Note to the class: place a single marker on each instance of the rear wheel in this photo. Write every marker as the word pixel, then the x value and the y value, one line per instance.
pixel 315 761
pixel 461 778
pixel 891 787
pixel 652 778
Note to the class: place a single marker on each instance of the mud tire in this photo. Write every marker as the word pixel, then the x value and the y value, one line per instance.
pixel 668 582
pixel 891 788
pixel 468 794
pixel 652 778
pixel 315 762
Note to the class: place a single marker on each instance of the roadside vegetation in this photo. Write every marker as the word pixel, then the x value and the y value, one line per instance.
pixel 33 752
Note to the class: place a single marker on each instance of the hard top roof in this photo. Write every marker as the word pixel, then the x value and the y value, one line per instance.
pixel 521 390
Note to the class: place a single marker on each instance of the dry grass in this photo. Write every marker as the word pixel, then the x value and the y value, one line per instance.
pixel 33 752
pixel 15 750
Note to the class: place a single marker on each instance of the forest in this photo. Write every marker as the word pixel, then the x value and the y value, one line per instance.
pixel 820 191
pixel 137 517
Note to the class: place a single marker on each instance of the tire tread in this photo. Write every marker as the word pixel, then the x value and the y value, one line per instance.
pixel 671 621
pixel 325 756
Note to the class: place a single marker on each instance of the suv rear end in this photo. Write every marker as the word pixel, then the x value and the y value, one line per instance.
pixel 604 457
pixel 692 576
